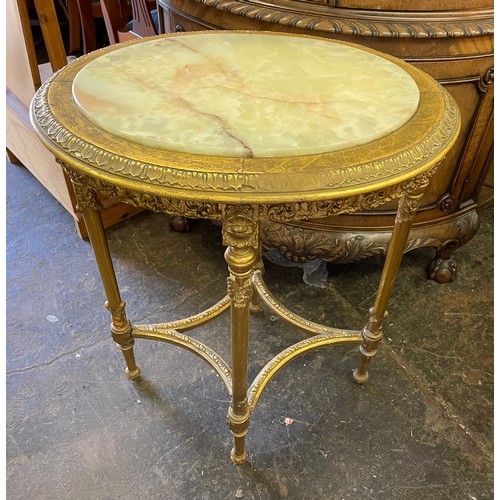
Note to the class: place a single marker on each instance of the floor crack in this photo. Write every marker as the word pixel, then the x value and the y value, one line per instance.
pixel 47 363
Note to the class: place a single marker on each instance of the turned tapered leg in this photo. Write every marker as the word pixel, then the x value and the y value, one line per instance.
pixel 240 234
pixel 372 332
pixel 121 329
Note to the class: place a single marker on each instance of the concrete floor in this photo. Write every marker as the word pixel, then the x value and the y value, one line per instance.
pixel 77 428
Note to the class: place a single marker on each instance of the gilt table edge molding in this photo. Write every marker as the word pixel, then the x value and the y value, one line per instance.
pixel 284 212
pixel 136 168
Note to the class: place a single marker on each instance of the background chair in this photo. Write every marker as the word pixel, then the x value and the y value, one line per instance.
pixel 121 28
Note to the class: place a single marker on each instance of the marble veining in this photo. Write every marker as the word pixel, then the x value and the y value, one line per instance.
pixel 245 95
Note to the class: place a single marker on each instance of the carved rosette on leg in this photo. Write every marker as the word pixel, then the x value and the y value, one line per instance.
pixel 240 234
pixel 89 205
pixel 372 332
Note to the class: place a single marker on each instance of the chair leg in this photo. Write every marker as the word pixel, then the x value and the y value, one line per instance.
pixel 74 27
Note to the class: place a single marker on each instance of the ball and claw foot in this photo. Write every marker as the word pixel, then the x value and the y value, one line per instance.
pixel 443 270
pixel 132 375
pixel 359 378
pixel 240 459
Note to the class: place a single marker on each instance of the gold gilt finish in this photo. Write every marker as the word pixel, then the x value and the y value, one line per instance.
pixel 241 192
pixel 411 150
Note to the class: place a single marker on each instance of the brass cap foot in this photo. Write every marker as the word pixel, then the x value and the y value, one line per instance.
pixel 360 379
pixel 238 459
pixel 133 374
pixel 255 308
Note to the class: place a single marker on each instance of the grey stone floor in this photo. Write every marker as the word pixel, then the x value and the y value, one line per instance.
pixel 421 428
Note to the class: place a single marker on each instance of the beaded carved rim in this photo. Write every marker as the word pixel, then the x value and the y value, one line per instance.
pixel 409 151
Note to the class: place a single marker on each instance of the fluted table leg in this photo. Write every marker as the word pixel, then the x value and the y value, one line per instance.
pixel 240 234
pixel 121 328
pixel 372 332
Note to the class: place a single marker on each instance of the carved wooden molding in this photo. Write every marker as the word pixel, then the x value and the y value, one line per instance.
pixel 363 23
pixel 85 195
pixel 300 244
pixel 409 204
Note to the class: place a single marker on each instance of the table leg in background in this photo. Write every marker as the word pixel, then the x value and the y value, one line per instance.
pixel 256 306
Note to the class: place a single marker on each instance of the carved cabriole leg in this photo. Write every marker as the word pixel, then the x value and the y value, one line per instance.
pixel 372 332
pixel 240 235
pixel 121 329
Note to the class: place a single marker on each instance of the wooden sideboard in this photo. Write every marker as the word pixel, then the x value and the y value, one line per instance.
pixel 24 76
pixel 452 40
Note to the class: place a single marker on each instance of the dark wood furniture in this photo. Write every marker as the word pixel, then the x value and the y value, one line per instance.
pixel 450 40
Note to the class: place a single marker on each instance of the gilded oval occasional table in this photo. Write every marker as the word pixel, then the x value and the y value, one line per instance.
pixel 241 127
